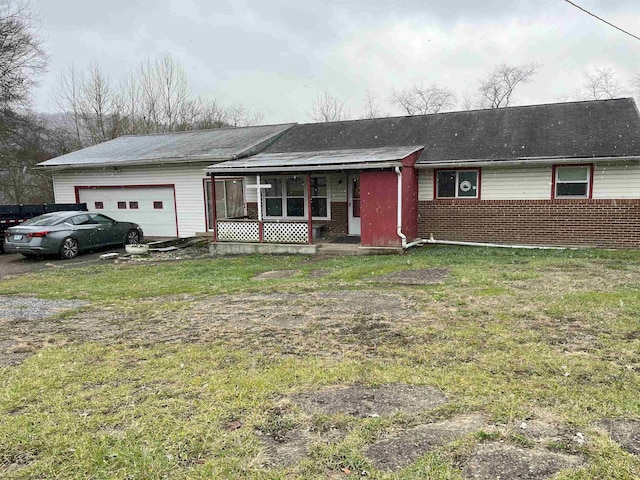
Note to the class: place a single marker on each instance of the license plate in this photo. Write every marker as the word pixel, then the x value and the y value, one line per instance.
pixel 17 237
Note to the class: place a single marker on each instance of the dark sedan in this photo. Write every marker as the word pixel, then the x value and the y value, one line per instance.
pixel 68 233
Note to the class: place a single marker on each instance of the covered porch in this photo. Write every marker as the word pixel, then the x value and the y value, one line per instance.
pixel 301 202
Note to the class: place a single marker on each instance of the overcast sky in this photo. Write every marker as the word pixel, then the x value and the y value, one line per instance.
pixel 275 56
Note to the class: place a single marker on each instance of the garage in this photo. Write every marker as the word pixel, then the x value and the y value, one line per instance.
pixel 152 207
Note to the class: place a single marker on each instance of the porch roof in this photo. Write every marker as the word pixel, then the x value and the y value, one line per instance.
pixel 325 160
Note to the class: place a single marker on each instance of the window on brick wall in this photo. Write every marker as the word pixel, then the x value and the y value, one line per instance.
pixel 572 181
pixel 457 183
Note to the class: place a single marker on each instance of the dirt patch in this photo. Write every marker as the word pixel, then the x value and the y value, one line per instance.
pixel 407 446
pixel 319 323
pixel 424 276
pixel 361 401
pixel 624 431
pixel 276 274
pixel 287 449
pixel 294 445
pixel 539 431
pixel 498 460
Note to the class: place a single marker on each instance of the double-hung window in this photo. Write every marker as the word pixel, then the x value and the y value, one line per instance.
pixel 319 197
pixel 457 183
pixel 572 181
pixel 288 198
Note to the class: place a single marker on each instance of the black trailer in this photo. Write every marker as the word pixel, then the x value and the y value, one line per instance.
pixel 11 215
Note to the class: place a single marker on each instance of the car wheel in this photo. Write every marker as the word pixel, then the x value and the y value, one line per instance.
pixel 69 248
pixel 133 237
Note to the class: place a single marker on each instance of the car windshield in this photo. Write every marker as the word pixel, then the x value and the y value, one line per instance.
pixel 46 219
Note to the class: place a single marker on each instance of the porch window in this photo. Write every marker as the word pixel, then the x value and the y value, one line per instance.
pixel 229 199
pixel 295 196
pixel 273 197
pixel 572 182
pixel 457 183
pixel 287 197
pixel 319 197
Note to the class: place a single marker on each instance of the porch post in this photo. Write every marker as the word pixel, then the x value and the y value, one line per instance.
pixel 309 214
pixel 214 214
pixel 260 225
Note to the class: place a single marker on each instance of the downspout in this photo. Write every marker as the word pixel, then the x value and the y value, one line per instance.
pixel 399 223
pixel 433 241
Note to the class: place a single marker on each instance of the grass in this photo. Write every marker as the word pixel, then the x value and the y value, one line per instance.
pixel 514 335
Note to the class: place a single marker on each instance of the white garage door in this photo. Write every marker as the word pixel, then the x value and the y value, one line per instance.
pixel 153 208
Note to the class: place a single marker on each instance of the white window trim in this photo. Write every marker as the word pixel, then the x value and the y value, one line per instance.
pixel 283 179
pixel 464 197
pixel 588 181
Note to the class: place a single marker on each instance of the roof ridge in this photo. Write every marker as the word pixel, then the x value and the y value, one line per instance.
pixel 475 110
pixel 215 129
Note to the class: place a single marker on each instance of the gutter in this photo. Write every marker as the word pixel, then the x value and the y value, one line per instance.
pixel 134 163
pixel 525 162
pixel 300 168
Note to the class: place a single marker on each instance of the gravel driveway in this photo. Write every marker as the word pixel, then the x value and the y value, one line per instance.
pixel 16 264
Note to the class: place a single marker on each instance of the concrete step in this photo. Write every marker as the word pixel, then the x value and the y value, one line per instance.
pixel 337 249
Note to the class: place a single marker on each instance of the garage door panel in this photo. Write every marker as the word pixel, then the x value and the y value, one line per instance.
pixel 153 208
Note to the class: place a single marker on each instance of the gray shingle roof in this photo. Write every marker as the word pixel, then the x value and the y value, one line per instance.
pixel 604 128
pixel 192 146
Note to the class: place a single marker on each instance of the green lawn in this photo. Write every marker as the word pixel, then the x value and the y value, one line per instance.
pixel 179 369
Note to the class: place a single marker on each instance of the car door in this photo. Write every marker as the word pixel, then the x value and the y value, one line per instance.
pixel 112 233
pixel 85 230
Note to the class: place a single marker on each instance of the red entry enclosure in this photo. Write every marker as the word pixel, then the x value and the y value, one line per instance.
pixel 379 205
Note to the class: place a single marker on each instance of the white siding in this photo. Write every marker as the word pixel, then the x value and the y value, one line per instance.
pixel 500 184
pixel 338 187
pixel 425 185
pixel 250 194
pixel 188 181
pixel 516 183
pixel 616 181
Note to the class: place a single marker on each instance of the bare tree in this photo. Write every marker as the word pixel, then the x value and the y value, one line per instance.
pixel 371 109
pixel 328 108
pixel 237 115
pixel 164 93
pixel 155 98
pixel 496 89
pixel 91 106
pixel 67 96
pixel 419 100
pixel 22 55
pixel 98 106
pixel 601 85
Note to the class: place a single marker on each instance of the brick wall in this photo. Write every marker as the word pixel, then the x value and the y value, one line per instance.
pixel 574 222
pixel 339 222
pixel 252 210
pixel 336 226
